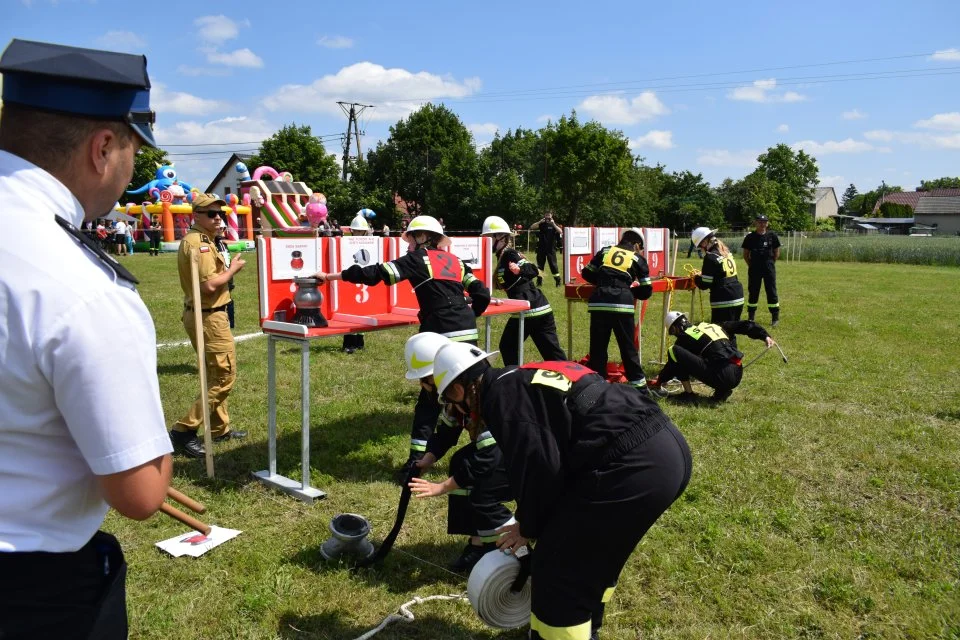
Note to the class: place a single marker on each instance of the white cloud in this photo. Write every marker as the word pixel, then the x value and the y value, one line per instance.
pixel 485 130
pixel 854 114
pixel 164 102
pixel 833 181
pixel 217 28
pixel 545 118
pixel 185 70
pixel 783 128
pixel 237 58
pixel 942 141
pixel 946 55
pixel 763 91
pixel 618 110
pixel 725 158
pixel 335 42
pixel 837 146
pixel 656 138
pixel 941 122
pixel 395 92
pixel 126 41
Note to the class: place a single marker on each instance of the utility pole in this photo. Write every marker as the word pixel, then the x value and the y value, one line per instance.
pixel 353 111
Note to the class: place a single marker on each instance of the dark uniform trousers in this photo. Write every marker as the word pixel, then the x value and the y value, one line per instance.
pixel 221 362
pixel 721 375
pixel 621 325
pixel 767 275
pixel 81 594
pixel 551 258
pixel 543 330
pixel 585 545
pixel 479 509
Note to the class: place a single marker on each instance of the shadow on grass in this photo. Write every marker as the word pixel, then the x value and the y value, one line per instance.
pixel 406 568
pixel 352 448
pixel 179 369
pixel 328 626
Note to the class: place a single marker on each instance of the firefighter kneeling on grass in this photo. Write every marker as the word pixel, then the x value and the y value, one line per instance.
pixel 706 353
pixel 592 466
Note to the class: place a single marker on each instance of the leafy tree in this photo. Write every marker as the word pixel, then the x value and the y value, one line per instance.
pixel 297 150
pixel 939 183
pixel 456 181
pixel 796 173
pixel 870 198
pixel 587 166
pixel 847 199
pixel 406 164
pixel 895 210
pixel 511 177
pixel 687 201
pixel 145 166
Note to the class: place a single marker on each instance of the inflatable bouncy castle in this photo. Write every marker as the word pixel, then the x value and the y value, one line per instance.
pixel 286 209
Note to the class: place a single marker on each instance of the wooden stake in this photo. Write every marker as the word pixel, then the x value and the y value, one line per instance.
pixel 185 500
pixel 201 360
pixel 190 521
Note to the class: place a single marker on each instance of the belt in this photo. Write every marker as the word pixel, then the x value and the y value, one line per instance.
pixel 222 307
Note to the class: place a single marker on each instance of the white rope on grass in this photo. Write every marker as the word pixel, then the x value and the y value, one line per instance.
pixel 405 615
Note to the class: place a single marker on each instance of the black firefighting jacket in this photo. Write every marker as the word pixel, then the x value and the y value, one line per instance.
pixel 612 270
pixel 712 342
pixel 552 430
pixel 521 286
pixel 483 455
pixel 719 275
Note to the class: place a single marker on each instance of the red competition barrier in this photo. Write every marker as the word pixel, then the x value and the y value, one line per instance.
pixel 349 307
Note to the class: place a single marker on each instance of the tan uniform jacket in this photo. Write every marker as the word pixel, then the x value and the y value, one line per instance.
pixel 211 265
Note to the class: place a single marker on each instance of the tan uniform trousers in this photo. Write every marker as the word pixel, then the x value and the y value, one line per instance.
pixel 221 359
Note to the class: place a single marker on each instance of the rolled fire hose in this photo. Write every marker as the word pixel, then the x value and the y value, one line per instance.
pixel 494 593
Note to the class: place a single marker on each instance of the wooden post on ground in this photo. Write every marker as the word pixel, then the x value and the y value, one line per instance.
pixel 201 359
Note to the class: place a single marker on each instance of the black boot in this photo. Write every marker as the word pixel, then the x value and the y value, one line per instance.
pixel 556 280
pixel 471 555
pixel 775 319
pixel 752 315
pixel 187 443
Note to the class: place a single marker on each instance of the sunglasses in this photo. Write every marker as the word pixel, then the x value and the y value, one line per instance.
pixel 213 213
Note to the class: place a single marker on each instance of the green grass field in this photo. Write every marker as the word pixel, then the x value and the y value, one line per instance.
pixel 824 503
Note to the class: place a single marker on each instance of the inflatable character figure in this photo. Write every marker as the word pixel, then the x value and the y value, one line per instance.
pixel 165 178
pixel 316 209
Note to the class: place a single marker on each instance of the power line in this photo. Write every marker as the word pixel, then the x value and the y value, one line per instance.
pixel 225 144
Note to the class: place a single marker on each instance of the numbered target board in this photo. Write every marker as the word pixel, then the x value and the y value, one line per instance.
pixel 655 250
pixel 279 261
pixel 359 299
pixel 577 252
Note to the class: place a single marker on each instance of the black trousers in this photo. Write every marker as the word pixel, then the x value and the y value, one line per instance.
pixel 425 416
pixel 767 277
pixel 683 365
pixel 602 324
pixel 549 257
pixel 543 330
pixel 478 509
pixel 81 594
pixel 597 525
pixel 154 242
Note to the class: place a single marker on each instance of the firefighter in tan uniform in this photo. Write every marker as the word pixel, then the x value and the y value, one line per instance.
pixel 215 271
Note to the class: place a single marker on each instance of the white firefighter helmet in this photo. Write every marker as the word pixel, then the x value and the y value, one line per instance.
pixel 494 225
pixel 672 317
pixel 420 352
pixel 359 223
pixel 453 359
pixel 700 234
pixel 426 223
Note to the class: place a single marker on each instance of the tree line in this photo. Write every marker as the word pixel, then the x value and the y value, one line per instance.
pixel 583 172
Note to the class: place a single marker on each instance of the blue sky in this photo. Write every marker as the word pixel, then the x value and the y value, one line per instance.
pixel 703 86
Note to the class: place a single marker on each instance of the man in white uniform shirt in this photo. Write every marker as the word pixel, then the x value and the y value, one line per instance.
pixel 71 124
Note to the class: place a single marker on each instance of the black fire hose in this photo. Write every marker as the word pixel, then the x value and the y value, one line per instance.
pixel 387 543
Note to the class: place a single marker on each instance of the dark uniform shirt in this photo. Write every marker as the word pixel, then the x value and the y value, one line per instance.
pixel 719 275
pixel 483 455
pixel 612 270
pixel 547 237
pixel 550 440
pixel 439 279
pixel 761 248
pixel 712 342
pixel 520 286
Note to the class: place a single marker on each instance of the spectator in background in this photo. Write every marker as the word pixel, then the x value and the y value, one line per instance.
pixel 154 235
pixel 761 250
pixel 549 235
pixel 131 230
pixel 120 238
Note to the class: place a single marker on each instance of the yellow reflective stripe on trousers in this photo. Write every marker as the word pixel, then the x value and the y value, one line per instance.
pixel 576 632
pixel 608 594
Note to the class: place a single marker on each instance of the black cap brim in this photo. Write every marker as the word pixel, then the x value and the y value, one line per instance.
pixel 145 131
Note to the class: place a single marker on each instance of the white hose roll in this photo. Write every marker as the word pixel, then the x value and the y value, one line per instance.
pixel 489 591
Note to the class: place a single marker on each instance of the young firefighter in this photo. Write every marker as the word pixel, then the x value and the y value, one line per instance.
pixel 761 250
pixel 477 486
pixel 719 275
pixel 548 235
pixel 612 271
pixel 439 280
pixel 592 465
pixel 706 352
pixel 517 276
